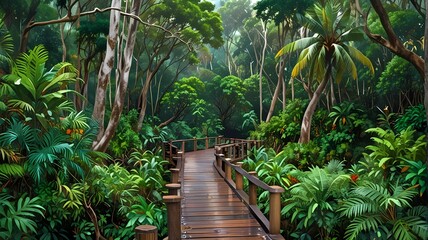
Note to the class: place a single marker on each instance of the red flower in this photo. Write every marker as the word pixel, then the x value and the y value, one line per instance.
pixel 354 177
pixel 68 132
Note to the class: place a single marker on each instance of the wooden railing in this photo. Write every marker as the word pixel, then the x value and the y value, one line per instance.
pixel 228 157
pixel 228 153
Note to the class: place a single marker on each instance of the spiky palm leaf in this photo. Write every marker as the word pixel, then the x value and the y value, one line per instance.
pixel 330 43
pixel 18 135
pixel 42 161
pixel 372 207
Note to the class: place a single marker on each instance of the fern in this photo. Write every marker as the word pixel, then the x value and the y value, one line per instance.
pixel 360 224
pixel 354 207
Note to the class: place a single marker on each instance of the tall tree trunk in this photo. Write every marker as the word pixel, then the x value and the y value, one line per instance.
pixel 123 78
pixel 305 131
pixel 277 90
pixel 261 70
pixel 146 87
pixel 105 70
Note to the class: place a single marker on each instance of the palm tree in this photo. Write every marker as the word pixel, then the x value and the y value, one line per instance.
pixel 327 54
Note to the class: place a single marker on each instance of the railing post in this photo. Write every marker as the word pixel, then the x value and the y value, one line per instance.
pixel 174 174
pixel 228 169
pixel 207 142
pixel 195 144
pixel 252 190
pixel 146 232
pixel 275 211
pixel 173 188
pixel 173 208
pixel 183 147
pixel 239 181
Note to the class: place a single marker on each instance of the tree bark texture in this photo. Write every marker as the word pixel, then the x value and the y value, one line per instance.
pixel 122 79
pixel 105 70
pixel 305 131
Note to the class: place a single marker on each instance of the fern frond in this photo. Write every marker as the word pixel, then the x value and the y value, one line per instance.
pixel 402 230
pixel 354 207
pixel 360 224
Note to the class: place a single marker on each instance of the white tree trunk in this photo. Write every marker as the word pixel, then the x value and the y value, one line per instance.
pixel 122 79
pixel 105 70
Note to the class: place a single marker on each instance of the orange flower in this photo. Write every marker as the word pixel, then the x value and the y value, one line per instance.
pixel 81 131
pixel 68 132
pixel 354 177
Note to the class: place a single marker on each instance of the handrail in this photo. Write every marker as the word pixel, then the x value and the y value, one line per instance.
pixel 226 161
pixel 228 151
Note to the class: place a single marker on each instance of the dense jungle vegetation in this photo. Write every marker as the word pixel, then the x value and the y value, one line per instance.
pixel 90 89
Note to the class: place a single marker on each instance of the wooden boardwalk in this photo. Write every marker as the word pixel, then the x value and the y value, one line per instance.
pixel 210 209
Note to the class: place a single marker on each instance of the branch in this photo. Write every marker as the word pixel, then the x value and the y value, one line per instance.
pixel 393 43
pixel 72 18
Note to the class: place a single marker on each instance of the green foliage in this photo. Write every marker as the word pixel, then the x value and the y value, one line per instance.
pixel 196 20
pixel 183 96
pixel 283 128
pixel 6 43
pixel 413 117
pixel 280 11
pixel 390 150
pixel 145 212
pixel 149 171
pixel 125 138
pixel 313 200
pixel 17 217
pixel 376 210
pixel 153 136
pixel 39 95
pixel 416 173
pixel 398 75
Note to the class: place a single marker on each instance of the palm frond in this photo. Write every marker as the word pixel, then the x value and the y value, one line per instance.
pixel 18 134
pixel 373 191
pixel 357 206
pixel 296 45
pixel 360 57
pixel 11 170
pixel 401 229
pixel 360 224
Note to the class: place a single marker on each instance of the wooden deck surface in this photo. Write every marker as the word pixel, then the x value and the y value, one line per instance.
pixel 210 209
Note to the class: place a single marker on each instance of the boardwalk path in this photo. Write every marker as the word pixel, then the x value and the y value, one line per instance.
pixel 210 208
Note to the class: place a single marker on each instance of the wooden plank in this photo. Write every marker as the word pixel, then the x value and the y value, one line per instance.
pixel 210 209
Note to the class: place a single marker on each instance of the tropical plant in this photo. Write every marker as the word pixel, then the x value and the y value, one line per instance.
pixel 313 201
pixel 390 150
pixel 40 95
pixel 327 54
pixel 145 212
pixel 17 218
pixel 149 173
pixel 416 173
pixel 376 211
pixel 413 117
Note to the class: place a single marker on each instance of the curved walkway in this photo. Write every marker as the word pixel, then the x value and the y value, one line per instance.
pixel 210 208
